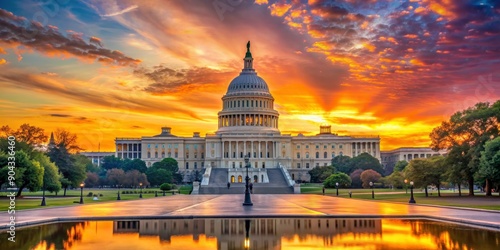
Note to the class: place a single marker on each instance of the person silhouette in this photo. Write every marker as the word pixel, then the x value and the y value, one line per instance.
pixel 228 185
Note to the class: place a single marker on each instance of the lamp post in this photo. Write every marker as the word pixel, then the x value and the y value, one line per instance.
pixel 140 190
pixel 248 200
pixel 411 191
pixel 406 185
pixel 337 186
pixel 373 193
pixel 43 196
pixel 118 197
pixel 81 193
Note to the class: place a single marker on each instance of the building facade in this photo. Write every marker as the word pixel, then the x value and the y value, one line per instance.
pixel 248 125
pixel 391 157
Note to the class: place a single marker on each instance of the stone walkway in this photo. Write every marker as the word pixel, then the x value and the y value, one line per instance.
pixel 189 206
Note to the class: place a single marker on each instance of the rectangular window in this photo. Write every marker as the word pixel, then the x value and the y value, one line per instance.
pixel 307 146
pixel 340 146
pixel 187 165
pixel 298 155
pixel 298 146
pixel 195 165
pixel 298 165
pixel 324 146
pixel 307 165
pixel 317 146
pixel 333 146
pixel 169 145
pixel 176 145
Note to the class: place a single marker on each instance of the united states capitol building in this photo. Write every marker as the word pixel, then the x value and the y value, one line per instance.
pixel 248 125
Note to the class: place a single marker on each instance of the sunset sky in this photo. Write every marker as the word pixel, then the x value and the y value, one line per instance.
pixel 106 69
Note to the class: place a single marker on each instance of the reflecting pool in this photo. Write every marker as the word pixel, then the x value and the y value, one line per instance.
pixel 266 233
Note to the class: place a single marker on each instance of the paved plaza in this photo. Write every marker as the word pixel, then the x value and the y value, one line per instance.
pixel 265 205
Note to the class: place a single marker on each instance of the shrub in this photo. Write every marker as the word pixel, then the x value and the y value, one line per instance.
pixel 343 179
pixel 90 194
pixel 166 186
pixel 101 195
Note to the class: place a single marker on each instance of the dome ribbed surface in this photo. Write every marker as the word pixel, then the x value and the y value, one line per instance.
pixel 247 82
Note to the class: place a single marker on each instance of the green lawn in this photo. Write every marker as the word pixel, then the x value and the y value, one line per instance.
pixel 32 200
pixel 448 197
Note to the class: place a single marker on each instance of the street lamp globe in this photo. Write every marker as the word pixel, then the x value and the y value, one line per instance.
pixel 371 184
pixel 81 192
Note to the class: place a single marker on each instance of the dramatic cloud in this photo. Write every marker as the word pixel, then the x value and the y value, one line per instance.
pixel 165 80
pixel 18 31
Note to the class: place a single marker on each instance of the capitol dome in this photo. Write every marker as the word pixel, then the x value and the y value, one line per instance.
pixel 248 106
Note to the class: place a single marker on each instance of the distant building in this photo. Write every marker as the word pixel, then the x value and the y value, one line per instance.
pixel 97 157
pixel 391 157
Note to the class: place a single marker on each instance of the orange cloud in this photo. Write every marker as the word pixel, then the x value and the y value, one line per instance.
pixel 279 9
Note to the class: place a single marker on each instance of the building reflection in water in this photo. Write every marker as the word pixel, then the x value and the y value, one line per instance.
pixel 264 233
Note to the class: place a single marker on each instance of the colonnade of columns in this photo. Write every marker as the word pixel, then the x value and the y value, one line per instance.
pixel 128 150
pixel 369 147
pixel 255 149
pixel 248 120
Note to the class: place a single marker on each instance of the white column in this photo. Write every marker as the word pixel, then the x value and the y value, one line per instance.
pixel 258 154
pixel 230 153
pixel 251 148
pixel 244 148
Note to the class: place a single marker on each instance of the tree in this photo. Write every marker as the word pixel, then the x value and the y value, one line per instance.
pixel 66 139
pixel 110 162
pixel 31 135
pixel 157 176
pixel 319 174
pixel 169 164
pixel 341 178
pixel 436 171
pixel 400 166
pixel 368 176
pixel 134 178
pixel 92 180
pixel 72 168
pixel 356 178
pixel 135 164
pixel 464 136
pixel 341 163
pixel 489 168
pixel 396 179
pixel 421 173
pixel 115 177
pixel 29 173
pixel 51 177
pixel 366 161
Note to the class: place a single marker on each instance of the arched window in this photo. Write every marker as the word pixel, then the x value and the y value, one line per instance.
pixel 240 179
pixel 325 155
pixel 317 155
pixel 149 154
pixel 187 165
pixel 307 155
pixel 232 178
